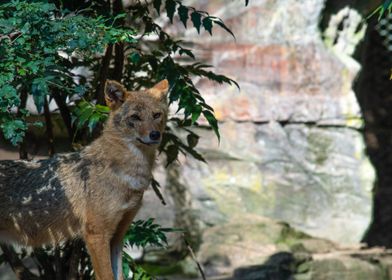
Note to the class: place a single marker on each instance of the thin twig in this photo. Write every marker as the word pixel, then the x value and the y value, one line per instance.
pixel 188 246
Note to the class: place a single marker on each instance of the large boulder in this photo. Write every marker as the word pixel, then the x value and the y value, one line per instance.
pixel 315 178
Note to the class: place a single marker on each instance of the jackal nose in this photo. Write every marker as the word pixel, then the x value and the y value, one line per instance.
pixel 155 135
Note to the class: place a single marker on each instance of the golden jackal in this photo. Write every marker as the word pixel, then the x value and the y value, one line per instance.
pixel 93 194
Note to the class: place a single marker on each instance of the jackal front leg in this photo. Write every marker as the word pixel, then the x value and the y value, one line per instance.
pixel 117 243
pixel 98 246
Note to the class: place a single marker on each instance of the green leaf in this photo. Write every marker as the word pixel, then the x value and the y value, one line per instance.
pixel 194 153
pixel 196 113
pixel 80 90
pixel 125 266
pixel 196 20
pixel 85 115
pixel 207 24
pixel 183 12
pixel 171 154
pixel 187 52
pixel 192 140
pixel 93 121
pixel 141 274
pixel 170 9
pixel 212 121
pixel 143 233
pixel 102 109
pixel 219 22
pixel 22 72
pixel 379 10
pixel 135 57
pixel 89 114
pixel 39 90
pixel 157 5
pixel 38 124
pixel 14 130
pixel 387 5
pixel 8 98
pixel 119 16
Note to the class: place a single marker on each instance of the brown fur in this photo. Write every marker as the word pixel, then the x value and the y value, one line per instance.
pixel 94 194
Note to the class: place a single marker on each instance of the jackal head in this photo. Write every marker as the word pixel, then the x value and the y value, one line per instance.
pixel 139 116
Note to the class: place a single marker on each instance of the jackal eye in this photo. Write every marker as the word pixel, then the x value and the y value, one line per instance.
pixel 157 115
pixel 135 117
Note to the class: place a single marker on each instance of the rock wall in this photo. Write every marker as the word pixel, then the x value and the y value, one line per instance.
pixel 291 145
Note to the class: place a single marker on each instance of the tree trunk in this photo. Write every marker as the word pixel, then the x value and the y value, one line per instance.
pixel 374 93
pixel 22 146
pixel 49 128
pixel 64 112
pixel 119 47
pixel 104 74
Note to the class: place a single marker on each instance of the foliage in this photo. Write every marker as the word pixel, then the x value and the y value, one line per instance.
pixel 43 44
pixel 159 62
pixel 386 6
pixel 142 234
pixel 88 114
pixel 36 43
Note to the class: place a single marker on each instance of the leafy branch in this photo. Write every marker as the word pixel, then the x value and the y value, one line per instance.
pixel 386 6
pixel 198 18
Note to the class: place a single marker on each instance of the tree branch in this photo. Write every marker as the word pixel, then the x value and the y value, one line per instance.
pixel 192 253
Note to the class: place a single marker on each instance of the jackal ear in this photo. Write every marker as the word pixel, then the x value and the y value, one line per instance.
pixel 115 94
pixel 160 90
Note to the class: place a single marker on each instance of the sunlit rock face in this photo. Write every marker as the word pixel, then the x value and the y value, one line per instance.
pixel 291 147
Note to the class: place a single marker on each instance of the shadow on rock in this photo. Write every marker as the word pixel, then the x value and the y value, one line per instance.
pixel 280 266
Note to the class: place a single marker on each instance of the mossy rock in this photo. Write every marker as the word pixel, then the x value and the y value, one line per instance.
pixel 346 268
